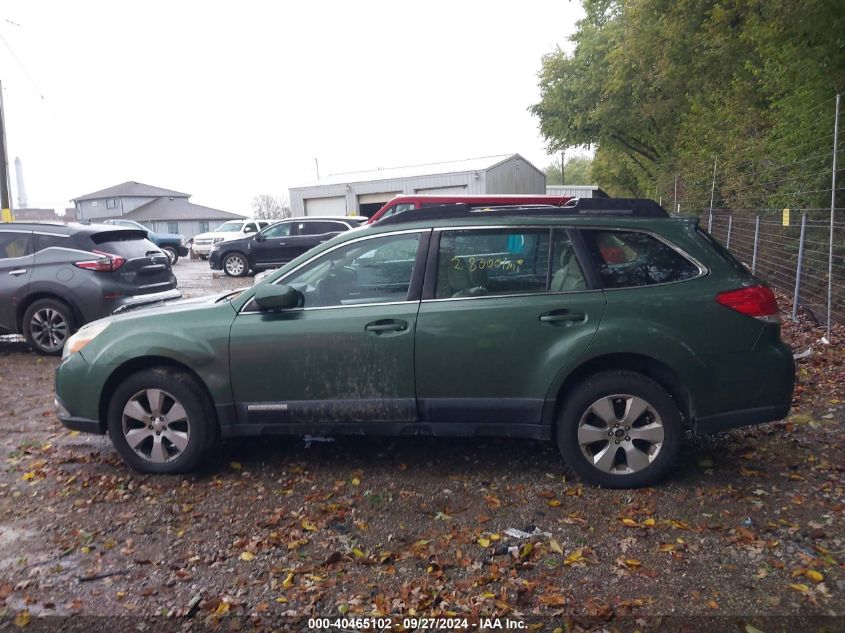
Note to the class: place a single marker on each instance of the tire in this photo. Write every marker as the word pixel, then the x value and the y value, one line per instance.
pixel 235 265
pixel 148 431
pixel 172 254
pixel 622 403
pixel 47 324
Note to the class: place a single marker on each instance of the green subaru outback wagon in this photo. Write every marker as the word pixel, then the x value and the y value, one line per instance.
pixel 606 326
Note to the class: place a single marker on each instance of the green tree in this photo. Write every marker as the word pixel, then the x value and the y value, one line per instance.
pixel 661 88
pixel 577 170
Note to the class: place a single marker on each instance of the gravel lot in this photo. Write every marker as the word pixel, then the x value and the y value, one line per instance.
pixel 750 523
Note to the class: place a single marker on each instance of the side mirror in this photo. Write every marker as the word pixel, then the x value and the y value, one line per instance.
pixel 259 237
pixel 274 297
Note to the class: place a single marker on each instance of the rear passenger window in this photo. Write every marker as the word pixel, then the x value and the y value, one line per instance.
pixel 320 228
pixel 499 262
pixel 15 244
pixel 626 259
pixel 48 241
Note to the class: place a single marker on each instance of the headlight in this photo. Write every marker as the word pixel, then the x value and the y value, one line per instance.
pixel 83 336
pixel 217 239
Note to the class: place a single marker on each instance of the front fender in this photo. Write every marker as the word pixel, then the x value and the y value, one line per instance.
pixel 197 338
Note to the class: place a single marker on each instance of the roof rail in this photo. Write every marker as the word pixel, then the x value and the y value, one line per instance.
pixel 600 207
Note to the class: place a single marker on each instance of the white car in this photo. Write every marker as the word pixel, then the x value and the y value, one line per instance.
pixel 231 230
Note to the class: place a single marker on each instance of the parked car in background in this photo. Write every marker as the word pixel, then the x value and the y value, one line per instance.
pixel 403 203
pixel 56 277
pixel 611 329
pixel 277 244
pixel 171 243
pixel 231 230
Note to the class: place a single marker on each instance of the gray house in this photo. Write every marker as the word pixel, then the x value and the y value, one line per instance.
pixel 161 210
pixel 363 193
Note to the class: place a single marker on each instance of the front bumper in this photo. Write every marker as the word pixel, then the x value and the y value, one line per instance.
pixel 201 249
pixel 215 262
pixel 139 300
pixel 74 423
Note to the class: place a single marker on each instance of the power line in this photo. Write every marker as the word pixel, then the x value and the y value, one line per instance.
pixel 20 64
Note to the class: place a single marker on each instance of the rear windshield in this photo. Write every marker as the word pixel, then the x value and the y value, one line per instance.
pixel 128 243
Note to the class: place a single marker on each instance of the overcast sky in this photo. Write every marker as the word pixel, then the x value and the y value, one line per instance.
pixel 226 100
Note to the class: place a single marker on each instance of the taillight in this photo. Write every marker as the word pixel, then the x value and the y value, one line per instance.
pixel 106 263
pixel 754 301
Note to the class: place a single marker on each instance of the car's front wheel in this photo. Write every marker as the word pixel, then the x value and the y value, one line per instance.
pixel 47 324
pixel 235 265
pixel 161 421
pixel 619 429
pixel 172 254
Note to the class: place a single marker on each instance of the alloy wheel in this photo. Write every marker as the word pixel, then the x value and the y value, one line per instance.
pixel 156 425
pixel 49 329
pixel 620 434
pixel 234 266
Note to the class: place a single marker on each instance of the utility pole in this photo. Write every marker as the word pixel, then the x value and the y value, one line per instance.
pixel 317 166
pixel 5 196
pixel 562 173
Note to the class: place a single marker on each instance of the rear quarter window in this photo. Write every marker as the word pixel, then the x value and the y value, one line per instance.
pixel 43 241
pixel 627 259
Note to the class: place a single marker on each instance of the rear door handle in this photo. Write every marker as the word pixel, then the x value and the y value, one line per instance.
pixel 563 317
pixel 386 325
pixel 18 271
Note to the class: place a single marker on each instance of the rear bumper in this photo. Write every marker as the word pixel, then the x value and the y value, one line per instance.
pixel 741 417
pixel 139 300
pixel 182 250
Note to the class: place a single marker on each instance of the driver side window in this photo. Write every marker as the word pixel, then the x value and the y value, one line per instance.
pixel 376 270
pixel 278 230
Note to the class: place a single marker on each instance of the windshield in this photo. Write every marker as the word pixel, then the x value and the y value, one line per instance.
pixel 229 227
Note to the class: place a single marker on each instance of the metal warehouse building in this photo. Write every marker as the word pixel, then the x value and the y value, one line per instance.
pixel 364 193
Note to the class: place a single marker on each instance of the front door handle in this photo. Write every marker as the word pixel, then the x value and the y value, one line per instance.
pixel 18 271
pixel 386 325
pixel 563 317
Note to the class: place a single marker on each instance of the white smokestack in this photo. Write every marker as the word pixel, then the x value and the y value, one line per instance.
pixel 22 204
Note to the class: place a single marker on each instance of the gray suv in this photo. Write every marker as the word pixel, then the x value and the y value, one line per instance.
pixel 56 277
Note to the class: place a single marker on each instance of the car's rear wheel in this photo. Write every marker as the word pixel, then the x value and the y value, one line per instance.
pixel 172 254
pixel 161 421
pixel 619 429
pixel 47 324
pixel 235 265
